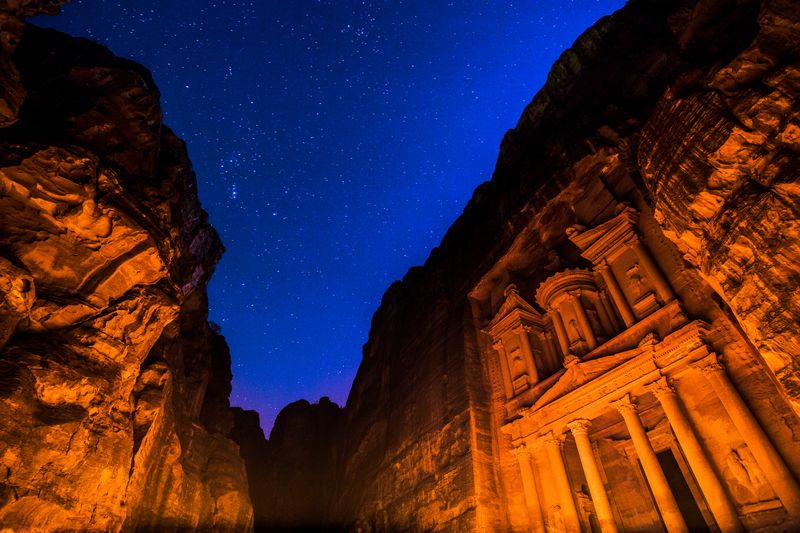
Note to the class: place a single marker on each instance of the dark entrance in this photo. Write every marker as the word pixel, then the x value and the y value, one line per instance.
pixel 683 495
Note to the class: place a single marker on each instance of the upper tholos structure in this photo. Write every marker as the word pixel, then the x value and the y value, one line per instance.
pixel 606 340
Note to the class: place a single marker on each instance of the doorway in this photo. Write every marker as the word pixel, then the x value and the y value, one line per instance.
pixel 682 493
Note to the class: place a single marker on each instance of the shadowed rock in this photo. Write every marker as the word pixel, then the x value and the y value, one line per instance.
pixel 113 387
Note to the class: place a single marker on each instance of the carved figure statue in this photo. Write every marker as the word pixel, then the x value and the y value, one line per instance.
pixel 747 475
pixel 517 365
pixel 573 325
pixel 635 280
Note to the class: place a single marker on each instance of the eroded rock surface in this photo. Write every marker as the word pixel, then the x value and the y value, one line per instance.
pixel 683 112
pixel 728 195
pixel 114 389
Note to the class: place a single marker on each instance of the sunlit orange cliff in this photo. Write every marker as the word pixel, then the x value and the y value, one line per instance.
pixel 606 340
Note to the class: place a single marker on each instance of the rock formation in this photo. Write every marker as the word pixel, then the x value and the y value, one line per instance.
pixel 606 339
pixel 283 495
pixel 608 336
pixel 114 389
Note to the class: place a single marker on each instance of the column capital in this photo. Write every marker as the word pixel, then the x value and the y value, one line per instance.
pixel 625 405
pixel 601 265
pixel 498 346
pixel 557 300
pixel 661 387
pixel 520 450
pixel 575 293
pixel 710 366
pixel 580 426
pixel 550 438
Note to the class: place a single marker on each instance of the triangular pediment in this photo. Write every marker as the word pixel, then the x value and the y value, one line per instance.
pixel 580 373
pixel 596 241
pixel 514 305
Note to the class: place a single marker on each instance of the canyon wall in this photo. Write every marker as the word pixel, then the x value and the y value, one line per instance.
pixel 114 388
pixel 284 496
pixel 683 112
pixel 668 133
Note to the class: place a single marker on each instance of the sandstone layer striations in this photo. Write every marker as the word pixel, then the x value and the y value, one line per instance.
pixel 114 389
pixel 627 281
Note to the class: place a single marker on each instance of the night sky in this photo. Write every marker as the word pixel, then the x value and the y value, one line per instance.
pixel 334 143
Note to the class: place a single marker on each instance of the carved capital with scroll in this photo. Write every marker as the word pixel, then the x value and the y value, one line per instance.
pixel 625 405
pixel 580 426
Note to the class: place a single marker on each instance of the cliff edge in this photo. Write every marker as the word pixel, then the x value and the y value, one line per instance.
pixel 114 388
pixel 678 114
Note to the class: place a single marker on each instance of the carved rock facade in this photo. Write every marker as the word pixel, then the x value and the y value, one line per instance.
pixel 114 389
pixel 653 414
pixel 606 338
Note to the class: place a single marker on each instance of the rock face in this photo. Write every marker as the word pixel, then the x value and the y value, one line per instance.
pixel 637 243
pixel 285 496
pixel 114 389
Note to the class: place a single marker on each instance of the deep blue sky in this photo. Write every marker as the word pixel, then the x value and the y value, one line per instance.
pixel 334 143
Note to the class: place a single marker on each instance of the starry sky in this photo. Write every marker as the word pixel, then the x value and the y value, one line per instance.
pixel 334 142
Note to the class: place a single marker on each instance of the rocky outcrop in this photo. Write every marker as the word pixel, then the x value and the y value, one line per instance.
pixel 284 496
pixel 114 389
pixel 684 110
pixel 720 156
pixel 12 15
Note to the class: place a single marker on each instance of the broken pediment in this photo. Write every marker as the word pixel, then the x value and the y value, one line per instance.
pixel 607 239
pixel 514 311
pixel 579 373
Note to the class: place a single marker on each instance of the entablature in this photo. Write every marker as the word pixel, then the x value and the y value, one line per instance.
pixel 584 390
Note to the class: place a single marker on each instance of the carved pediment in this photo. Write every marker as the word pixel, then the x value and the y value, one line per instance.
pixel 580 374
pixel 600 241
pixel 514 311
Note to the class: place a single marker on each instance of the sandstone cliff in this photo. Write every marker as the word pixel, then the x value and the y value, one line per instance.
pixel 686 111
pixel 283 495
pixel 114 389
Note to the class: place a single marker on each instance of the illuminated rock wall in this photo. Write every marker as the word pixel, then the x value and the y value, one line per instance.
pixel 113 387
pixel 626 282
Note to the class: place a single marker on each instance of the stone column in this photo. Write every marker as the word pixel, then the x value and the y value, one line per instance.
pixel 780 477
pixel 527 353
pixel 670 512
pixel 606 303
pixel 508 387
pixel 662 287
pixel 580 430
pixel 583 320
pixel 605 319
pixel 529 487
pixel 552 352
pixel 620 301
pixel 569 511
pixel 717 498
pixel 561 331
